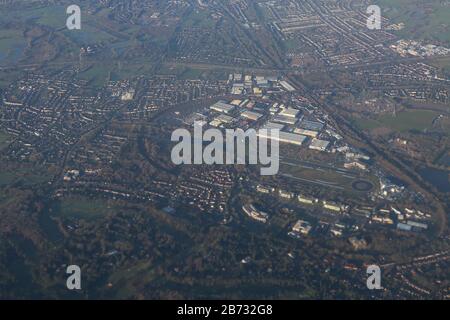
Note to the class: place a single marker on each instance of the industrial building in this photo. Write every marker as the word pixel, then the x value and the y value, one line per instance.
pixel 251 115
pixel 286 194
pixel 290 112
pixel 263 189
pixel 319 145
pixel 238 88
pixel 417 225
pixel 331 206
pixel 273 126
pixel 307 200
pixel 287 86
pixel 285 137
pixel 308 133
pixel 311 125
pixel 222 107
pixel 284 119
pixel 302 227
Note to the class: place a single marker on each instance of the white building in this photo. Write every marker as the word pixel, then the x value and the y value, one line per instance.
pixel 251 115
pixel 302 227
pixel 290 112
pixel 319 145
pixel 222 107
pixel 285 137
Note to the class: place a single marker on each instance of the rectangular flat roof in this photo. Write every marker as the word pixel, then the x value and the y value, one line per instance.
pixel 251 115
pixel 224 118
pixel 284 119
pixel 319 144
pixel 311 125
pixel 286 137
pixel 287 86
pixel 304 132
pixel 272 125
pixel 222 107
pixel 290 112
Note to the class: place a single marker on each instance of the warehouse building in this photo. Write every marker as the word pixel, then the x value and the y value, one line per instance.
pixel 290 112
pixel 286 86
pixel 224 118
pixel 286 137
pixel 308 133
pixel 238 88
pixel 331 206
pixel 222 107
pixel 273 126
pixel 307 200
pixel 284 119
pixel 311 125
pixel 254 116
pixel 319 145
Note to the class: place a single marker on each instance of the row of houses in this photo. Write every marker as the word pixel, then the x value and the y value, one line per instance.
pixel 307 200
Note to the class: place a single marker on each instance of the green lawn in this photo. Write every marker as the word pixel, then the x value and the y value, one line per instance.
pixel 199 19
pixel 428 20
pixel 50 15
pixel 84 208
pixel 6 178
pixel 12 45
pixel 128 71
pixel 88 35
pixel 97 74
pixel 55 17
pixel 442 63
pixel 4 140
pixel 26 175
pixel 404 121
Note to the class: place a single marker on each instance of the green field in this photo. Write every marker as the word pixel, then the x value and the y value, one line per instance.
pixel 97 75
pixel 12 45
pixel 88 35
pixel 442 63
pixel 4 140
pixel 199 19
pixel 6 178
pixel 428 20
pixel 404 121
pixel 127 71
pixel 55 17
pixel 25 176
pixel 83 208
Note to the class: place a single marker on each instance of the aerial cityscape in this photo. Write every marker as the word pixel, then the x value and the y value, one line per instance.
pixel 225 149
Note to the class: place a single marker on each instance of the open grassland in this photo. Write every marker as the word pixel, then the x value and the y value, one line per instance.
pixel 4 140
pixel 24 176
pixel 83 208
pixel 426 20
pixel 12 45
pixel 403 121
pixel 442 63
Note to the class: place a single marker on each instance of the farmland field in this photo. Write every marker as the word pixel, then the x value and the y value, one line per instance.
pixel 403 121
pixel 82 207
pixel 432 22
